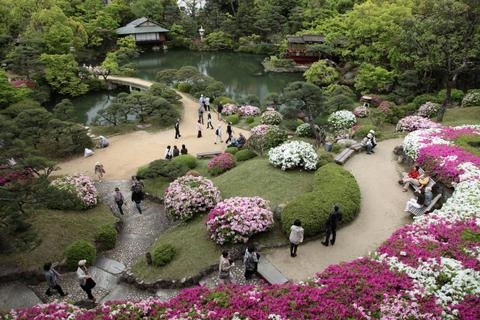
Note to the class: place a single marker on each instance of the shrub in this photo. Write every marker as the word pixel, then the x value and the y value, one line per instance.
pixel 250 120
pixel 341 120
pixel 363 131
pixel 282 63
pixel 189 195
pixel 305 130
pixel 325 158
pixel 385 106
pixel 471 99
pixel 428 109
pixel 332 185
pixel 163 254
pixel 233 119
pixel 231 150
pixel 186 159
pixel 229 109
pixel 361 112
pixel 244 155
pixel 106 236
pixel 248 111
pixel 412 123
pixel 184 87
pixel 271 117
pixel 72 192
pixel 235 220
pixel 456 95
pixel 79 250
pixel 424 98
pixel 265 137
pixel 141 171
pixel 294 154
pixel 291 124
pixel 221 163
pixel 166 168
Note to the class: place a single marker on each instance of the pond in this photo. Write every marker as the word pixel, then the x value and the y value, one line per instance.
pixel 241 73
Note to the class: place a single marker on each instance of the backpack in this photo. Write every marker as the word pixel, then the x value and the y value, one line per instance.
pixel 250 263
pixel 137 187
pixel 217 131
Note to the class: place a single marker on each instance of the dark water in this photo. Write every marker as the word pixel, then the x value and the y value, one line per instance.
pixel 241 73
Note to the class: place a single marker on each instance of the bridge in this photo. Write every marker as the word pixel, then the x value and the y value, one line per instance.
pixel 132 83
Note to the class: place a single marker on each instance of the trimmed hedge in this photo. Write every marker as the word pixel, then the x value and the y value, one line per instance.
pixel 79 250
pixel 244 155
pixel 186 159
pixel 165 168
pixel 231 150
pixel 332 185
pixel 163 254
pixel 106 236
pixel 233 119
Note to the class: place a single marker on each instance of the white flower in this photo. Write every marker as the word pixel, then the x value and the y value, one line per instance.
pixel 294 154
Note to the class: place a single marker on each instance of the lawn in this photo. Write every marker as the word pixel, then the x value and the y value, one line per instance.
pixel 461 116
pixel 57 229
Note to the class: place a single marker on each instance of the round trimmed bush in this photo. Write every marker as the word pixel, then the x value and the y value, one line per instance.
pixel 363 131
pixel 342 119
pixel 221 163
pixel 106 236
pixel 72 193
pixel 265 137
pixel 244 155
pixel 332 185
pixel 166 168
pixel 231 150
pixel 79 250
pixel 471 99
pixel 294 154
pixel 305 130
pixel 250 120
pixel 324 158
pixel 186 159
pixel 456 95
pixel 271 117
pixel 428 109
pixel 163 254
pixel 233 119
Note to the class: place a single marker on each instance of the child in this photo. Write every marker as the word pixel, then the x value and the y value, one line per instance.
pixel 296 237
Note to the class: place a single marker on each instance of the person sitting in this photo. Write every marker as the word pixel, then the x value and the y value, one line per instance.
pixel 183 150
pixel 415 203
pixel 410 178
pixel 103 143
pixel 367 142
pixel 423 180
pixel 428 196
pixel 239 143
pixel 373 139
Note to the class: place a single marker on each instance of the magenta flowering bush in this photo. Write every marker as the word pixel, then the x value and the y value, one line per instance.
pixel 412 123
pixel 229 109
pixel 248 111
pixel 235 220
pixel 221 163
pixel 360 112
pixel 189 195
pixel 81 187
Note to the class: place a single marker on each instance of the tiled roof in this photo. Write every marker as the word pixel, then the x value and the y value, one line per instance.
pixel 141 25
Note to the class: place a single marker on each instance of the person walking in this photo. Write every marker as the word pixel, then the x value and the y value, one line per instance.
pixel 119 200
pixel 219 111
pixel 137 193
pixel 224 272
pixel 85 280
pixel 175 151
pixel 207 104
pixel 331 225
pixel 209 120
pixel 99 171
pixel 168 153
pixel 218 134
pixel 296 237
pixel 177 129
pixel 199 129
pixel 52 277
pixel 229 132
pixel 183 150
pixel 250 260
pixel 201 110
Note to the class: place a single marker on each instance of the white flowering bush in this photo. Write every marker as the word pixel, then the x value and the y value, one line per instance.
pixel 304 130
pixel 412 123
pixel 248 111
pixel 428 109
pixel 235 220
pixel 229 109
pixel 271 117
pixel 341 120
pixel 294 154
pixel 360 112
pixel 189 195
pixel 79 192
pixel 471 99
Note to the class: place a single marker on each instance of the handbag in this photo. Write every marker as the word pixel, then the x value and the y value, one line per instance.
pixel 90 283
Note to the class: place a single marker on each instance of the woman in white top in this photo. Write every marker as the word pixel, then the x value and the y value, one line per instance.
pixel 82 275
pixel 225 275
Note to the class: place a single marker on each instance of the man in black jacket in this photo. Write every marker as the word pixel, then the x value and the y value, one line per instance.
pixel 331 225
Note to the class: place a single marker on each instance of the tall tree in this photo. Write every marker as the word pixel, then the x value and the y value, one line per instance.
pixel 61 72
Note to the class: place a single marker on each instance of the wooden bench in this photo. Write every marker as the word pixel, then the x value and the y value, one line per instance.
pixel 343 156
pixel 420 211
pixel 430 183
pixel 358 146
pixel 209 154
pixel 268 272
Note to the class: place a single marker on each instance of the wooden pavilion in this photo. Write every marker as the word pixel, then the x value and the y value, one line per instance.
pixel 145 31
pixel 297 48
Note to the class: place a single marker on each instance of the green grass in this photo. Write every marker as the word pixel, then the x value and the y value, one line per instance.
pixel 459 116
pixel 195 251
pixel 57 229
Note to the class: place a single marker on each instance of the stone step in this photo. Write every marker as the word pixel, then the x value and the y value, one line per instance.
pixel 269 272
pixel 110 265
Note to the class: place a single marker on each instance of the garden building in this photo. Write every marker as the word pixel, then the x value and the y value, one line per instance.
pixel 145 31
pixel 302 48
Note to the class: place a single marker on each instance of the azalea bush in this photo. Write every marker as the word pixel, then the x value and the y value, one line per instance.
pixel 341 120
pixel 221 163
pixel 271 117
pixel 471 99
pixel 248 111
pixel 360 112
pixel 428 109
pixel 412 123
pixel 235 220
pixel 294 154
pixel 265 137
pixel 189 195
pixel 229 109
pixel 73 192
pixel 260 130
pixel 304 130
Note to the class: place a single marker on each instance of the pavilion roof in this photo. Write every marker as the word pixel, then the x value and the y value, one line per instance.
pixel 141 25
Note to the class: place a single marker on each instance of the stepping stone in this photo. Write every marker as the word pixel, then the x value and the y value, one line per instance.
pixel 103 278
pixel 269 272
pixel 165 294
pixel 110 265
pixel 17 295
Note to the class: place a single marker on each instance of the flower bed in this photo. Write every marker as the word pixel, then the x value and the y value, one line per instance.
pixel 412 123
pixel 229 109
pixel 248 111
pixel 221 163
pixel 235 220
pixel 341 120
pixel 189 195
pixel 360 112
pixel 294 154
pixel 81 187
pixel 271 117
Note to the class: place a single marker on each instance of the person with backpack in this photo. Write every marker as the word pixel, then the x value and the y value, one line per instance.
pixel 52 276
pixel 209 120
pixel 331 225
pixel 250 260
pixel 137 193
pixel 218 134
pixel 229 132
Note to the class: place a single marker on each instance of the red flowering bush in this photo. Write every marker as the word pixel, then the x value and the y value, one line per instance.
pixel 221 163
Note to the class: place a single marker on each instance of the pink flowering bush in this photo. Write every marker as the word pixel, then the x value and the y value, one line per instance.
pixel 260 130
pixel 235 220
pixel 221 163
pixel 412 123
pixel 248 111
pixel 80 192
pixel 229 109
pixel 360 112
pixel 428 109
pixel 189 195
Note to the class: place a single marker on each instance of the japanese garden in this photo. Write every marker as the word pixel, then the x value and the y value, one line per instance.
pixel 150 149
